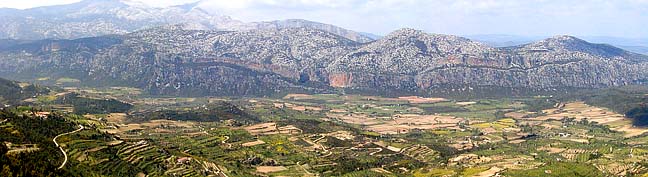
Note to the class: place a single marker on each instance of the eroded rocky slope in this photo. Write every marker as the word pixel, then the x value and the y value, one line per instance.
pixel 173 60
pixel 411 60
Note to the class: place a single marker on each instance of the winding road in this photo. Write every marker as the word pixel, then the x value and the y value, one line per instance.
pixel 61 148
pixel 302 167
pixel 229 146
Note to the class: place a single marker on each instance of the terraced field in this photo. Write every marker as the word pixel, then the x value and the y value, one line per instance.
pixel 420 152
pixel 353 135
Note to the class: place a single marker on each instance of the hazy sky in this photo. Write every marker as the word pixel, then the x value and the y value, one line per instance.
pixel 621 18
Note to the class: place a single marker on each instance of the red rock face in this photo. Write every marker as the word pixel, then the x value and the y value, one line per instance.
pixel 340 79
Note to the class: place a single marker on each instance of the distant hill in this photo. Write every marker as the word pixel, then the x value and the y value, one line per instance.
pixel 89 18
pixel 636 49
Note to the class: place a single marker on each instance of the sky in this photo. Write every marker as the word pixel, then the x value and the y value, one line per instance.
pixel 618 18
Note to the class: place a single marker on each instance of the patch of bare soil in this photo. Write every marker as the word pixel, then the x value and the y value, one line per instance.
pixel 298 96
pixel 253 143
pixel 271 129
pixel 419 100
pixel 581 111
pixel 399 123
pixel 270 169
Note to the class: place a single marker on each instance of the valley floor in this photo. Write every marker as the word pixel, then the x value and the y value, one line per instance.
pixel 348 135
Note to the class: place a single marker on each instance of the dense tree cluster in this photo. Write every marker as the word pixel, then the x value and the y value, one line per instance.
pixel 83 105
pixel 27 129
pixel 220 111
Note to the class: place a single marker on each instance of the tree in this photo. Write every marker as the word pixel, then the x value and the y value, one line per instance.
pixel 6 171
pixel 3 149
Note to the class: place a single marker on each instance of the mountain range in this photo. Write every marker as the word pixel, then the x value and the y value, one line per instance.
pixel 178 61
pixel 121 43
pixel 90 18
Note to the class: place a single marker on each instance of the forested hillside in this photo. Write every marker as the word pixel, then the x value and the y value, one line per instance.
pixel 12 92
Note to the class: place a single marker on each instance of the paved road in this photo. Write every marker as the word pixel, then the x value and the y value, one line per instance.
pixel 61 148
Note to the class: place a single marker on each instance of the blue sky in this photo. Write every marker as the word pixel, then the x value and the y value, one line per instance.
pixel 620 18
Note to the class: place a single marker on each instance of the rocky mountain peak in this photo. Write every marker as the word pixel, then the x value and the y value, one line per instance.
pixel 426 44
pixel 405 32
pixel 564 40
pixel 409 51
pixel 301 23
pixel 412 35
pixel 566 43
